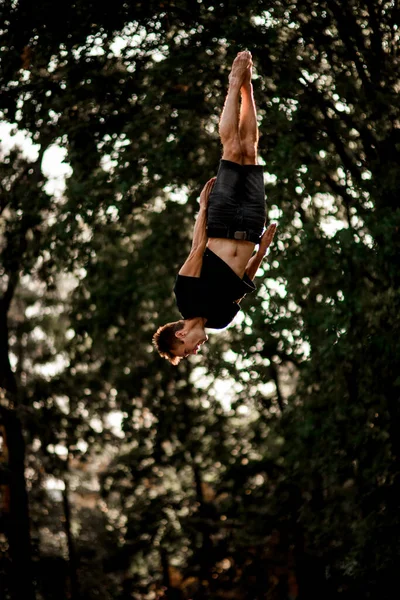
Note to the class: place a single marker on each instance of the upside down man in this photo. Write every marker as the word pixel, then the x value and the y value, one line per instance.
pixel 221 266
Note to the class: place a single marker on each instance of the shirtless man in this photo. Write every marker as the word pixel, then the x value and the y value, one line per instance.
pixel 221 266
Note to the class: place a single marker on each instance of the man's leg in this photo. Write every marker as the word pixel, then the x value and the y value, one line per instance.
pixel 254 206
pixel 229 123
pixel 248 128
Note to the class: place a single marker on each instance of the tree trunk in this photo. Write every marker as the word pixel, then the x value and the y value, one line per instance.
pixel 73 561
pixel 16 521
pixel 207 549
pixel 170 592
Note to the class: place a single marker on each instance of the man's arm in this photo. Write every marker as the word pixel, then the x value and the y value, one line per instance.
pixel 192 265
pixel 256 260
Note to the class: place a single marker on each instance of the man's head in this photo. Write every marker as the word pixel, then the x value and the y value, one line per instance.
pixel 177 340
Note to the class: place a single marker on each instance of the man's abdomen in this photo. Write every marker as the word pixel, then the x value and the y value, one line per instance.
pixel 236 253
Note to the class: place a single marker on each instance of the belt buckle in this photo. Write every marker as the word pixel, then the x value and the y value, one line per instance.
pixel 240 235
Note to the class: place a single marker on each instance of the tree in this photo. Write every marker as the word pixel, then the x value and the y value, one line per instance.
pixel 326 457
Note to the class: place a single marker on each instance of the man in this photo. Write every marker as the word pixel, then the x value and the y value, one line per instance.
pixel 220 268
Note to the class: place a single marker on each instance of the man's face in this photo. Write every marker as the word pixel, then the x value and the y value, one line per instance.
pixel 190 341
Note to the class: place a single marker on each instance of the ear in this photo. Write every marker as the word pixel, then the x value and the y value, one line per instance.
pixel 181 334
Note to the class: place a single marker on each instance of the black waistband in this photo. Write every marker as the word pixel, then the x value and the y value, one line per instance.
pixel 234 234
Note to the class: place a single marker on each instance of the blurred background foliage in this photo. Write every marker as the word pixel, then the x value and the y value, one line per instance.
pixel 269 466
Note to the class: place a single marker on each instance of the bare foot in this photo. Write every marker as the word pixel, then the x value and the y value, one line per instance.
pixel 241 68
pixel 246 83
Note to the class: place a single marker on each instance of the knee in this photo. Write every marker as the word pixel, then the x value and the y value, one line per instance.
pixel 249 153
pixel 232 151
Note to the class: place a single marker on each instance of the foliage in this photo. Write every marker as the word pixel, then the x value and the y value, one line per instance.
pixel 294 488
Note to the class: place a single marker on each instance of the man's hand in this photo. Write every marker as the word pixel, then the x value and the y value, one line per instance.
pixel 266 239
pixel 257 258
pixel 206 191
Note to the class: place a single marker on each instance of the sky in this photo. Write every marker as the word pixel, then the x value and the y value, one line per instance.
pixel 53 166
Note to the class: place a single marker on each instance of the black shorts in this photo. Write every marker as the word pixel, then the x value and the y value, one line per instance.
pixel 236 206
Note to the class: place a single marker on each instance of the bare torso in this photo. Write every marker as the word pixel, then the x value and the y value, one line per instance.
pixel 236 253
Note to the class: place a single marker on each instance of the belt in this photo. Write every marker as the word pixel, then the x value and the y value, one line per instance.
pixel 225 232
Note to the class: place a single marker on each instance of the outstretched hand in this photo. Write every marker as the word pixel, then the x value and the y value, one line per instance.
pixel 206 191
pixel 266 239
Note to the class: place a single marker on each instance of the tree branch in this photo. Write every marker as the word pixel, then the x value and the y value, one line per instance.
pixel 345 22
pixel 378 55
pixel 9 293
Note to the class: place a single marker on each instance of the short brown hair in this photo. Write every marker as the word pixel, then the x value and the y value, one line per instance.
pixel 165 340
